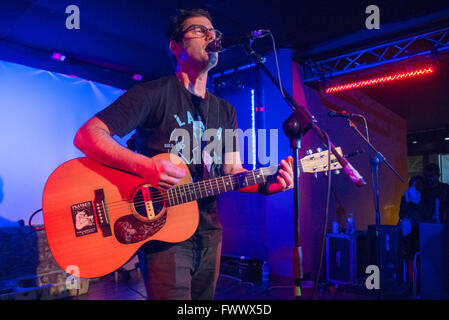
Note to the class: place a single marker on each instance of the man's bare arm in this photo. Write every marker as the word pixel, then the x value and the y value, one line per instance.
pixel 95 140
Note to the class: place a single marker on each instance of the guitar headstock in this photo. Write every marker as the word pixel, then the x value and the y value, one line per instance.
pixel 318 162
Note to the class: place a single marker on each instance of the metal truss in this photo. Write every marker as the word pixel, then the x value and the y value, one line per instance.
pixel 422 45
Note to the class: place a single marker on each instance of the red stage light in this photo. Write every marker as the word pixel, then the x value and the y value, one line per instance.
pixel 374 81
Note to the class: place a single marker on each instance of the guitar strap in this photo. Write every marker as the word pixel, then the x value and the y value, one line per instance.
pixel 203 108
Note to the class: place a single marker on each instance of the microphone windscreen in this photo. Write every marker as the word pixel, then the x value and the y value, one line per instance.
pixel 215 46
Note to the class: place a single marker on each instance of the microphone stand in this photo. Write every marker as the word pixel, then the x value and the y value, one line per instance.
pixel 295 126
pixel 377 159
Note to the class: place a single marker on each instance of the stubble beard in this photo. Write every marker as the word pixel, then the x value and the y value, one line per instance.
pixel 212 61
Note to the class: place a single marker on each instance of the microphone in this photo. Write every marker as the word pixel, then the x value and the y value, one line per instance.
pixel 220 45
pixel 344 114
pixel 355 153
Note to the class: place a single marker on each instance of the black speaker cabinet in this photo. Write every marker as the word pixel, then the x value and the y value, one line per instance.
pixel 345 257
pixel 434 266
pixel 386 253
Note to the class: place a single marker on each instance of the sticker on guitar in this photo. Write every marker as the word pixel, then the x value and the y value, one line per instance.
pixel 83 219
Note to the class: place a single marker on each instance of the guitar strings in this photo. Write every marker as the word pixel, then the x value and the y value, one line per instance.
pixel 177 194
pixel 177 198
pixel 202 187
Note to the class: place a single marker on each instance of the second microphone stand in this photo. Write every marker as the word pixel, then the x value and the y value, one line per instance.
pixel 375 161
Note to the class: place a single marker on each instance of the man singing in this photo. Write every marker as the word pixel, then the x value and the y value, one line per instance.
pixel 156 109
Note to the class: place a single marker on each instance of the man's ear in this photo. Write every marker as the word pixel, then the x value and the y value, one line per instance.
pixel 175 48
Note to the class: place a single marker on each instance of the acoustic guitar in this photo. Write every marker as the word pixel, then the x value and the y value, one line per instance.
pixel 97 217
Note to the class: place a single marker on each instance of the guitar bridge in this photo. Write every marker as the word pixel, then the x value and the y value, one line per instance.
pixel 101 214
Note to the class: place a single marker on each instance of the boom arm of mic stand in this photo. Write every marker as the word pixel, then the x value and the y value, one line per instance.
pixel 377 153
pixel 307 119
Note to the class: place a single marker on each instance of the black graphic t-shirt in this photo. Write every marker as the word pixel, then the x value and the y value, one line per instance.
pixel 166 115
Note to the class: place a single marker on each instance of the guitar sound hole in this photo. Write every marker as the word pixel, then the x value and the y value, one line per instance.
pixel 157 200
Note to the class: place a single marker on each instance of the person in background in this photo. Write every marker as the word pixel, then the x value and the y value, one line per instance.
pixel 426 200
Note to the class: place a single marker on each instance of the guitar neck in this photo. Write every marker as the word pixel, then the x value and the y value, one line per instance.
pixel 313 163
pixel 211 187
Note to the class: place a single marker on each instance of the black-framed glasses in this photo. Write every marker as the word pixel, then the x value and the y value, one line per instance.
pixel 202 31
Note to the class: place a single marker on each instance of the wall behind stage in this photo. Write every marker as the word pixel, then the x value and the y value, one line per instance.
pixel 40 112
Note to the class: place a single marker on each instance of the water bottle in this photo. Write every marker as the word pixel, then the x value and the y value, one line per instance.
pixel 335 227
pixel 350 226
pixel 265 272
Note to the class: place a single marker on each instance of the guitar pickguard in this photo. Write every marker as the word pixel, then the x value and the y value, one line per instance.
pixel 128 229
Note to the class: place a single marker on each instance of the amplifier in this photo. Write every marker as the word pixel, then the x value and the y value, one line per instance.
pixel 247 269
pixel 434 261
pixel 386 253
pixel 345 256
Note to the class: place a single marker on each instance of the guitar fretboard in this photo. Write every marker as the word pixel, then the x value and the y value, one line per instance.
pixel 211 187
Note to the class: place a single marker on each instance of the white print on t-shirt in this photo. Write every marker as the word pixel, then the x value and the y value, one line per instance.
pixel 213 138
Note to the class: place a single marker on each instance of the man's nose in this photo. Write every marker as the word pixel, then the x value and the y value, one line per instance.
pixel 210 35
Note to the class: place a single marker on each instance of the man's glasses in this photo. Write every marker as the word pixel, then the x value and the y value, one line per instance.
pixel 202 31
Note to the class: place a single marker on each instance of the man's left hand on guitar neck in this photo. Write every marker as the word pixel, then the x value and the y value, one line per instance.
pixel 284 178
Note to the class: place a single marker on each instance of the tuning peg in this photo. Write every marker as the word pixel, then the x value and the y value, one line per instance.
pixel 316 175
pixel 309 152
pixel 325 173
pixel 337 171
pixel 319 150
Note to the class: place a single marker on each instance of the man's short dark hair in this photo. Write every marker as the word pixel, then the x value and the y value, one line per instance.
pixel 176 27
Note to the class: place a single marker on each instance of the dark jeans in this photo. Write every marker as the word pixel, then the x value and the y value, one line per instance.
pixel 183 271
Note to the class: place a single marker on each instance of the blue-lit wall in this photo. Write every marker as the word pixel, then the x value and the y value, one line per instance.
pixel 242 214
pixel 256 225
pixel 40 112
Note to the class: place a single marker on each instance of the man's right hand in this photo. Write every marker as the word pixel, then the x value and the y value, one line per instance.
pixel 162 174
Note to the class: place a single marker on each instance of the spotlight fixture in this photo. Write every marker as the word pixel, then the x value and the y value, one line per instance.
pixel 137 77
pixel 379 80
pixel 58 56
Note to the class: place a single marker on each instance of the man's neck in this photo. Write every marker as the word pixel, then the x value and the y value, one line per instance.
pixel 193 81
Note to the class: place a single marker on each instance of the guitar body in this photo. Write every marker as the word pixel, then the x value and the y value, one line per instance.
pixel 91 219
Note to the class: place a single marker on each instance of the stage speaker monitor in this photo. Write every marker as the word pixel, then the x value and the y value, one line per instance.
pixel 434 267
pixel 345 257
pixel 385 252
